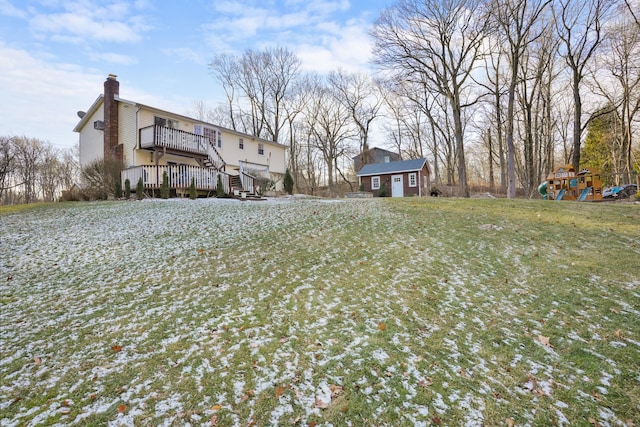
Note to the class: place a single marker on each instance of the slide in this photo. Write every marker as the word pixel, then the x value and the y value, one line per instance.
pixel 561 194
pixel 542 189
pixel 584 194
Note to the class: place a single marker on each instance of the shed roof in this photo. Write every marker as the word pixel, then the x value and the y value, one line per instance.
pixel 392 167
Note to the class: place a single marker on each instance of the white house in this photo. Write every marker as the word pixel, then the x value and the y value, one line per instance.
pixel 148 141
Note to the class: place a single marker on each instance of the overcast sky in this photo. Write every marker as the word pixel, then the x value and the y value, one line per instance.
pixel 56 54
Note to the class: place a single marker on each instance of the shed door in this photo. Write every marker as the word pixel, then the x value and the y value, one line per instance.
pixel 397 186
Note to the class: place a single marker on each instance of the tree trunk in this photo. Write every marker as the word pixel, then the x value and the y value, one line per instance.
pixel 577 122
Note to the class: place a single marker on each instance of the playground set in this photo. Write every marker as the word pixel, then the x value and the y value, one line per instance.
pixel 565 184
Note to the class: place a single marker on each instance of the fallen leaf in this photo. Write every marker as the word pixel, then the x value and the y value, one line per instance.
pixel 618 333
pixel 382 326
pixel 426 382
pixel 321 403
pixel 462 373
pixel 544 340
pixel 296 420
pixel 436 421
pixel 213 421
pixel 116 348
pixel 594 422
pixel 614 310
pixel 312 424
pixel 336 390
pixel 216 407
pixel 510 422
pixel 122 408
pixel 37 361
pixel 279 392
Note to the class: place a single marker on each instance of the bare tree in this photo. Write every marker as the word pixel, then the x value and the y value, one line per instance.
pixel 293 106
pixel 439 42
pixel 634 15
pixel 579 26
pixel 49 174
pixel 622 61
pixel 226 69
pixel 264 80
pixel 362 98
pixel 495 84
pixel 517 19
pixel 329 124
pixel 536 77
pixel 8 164
pixel 29 155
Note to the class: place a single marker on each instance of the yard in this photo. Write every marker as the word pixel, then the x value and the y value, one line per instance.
pixel 316 312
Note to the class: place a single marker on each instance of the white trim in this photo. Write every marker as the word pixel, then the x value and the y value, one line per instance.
pixel 415 179
pixel 375 187
pixel 397 185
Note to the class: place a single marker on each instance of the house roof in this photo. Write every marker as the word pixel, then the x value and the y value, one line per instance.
pixel 382 150
pixel 392 167
pixel 100 100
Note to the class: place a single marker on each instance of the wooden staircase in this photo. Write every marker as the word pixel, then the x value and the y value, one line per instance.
pixel 242 194
pixel 236 183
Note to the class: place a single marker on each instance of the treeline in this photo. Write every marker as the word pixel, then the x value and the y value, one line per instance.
pixel 494 92
pixel 32 170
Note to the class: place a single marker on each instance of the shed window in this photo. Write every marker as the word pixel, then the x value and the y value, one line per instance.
pixel 412 180
pixel 375 182
pixel 241 144
pixel 261 149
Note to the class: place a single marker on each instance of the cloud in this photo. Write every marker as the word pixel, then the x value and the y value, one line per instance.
pixel 188 54
pixel 314 30
pixel 114 58
pixel 80 21
pixel 44 96
pixel 10 10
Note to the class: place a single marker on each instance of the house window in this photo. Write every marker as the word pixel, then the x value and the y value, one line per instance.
pixel 241 144
pixel 375 182
pixel 173 124
pixel 214 136
pixel 209 133
pixel 159 121
pixel 197 129
pixel 412 180
pixel 261 149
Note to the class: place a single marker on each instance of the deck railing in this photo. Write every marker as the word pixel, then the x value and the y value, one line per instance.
pixel 179 177
pixel 162 136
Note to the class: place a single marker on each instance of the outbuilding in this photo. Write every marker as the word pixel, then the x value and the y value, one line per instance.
pixel 396 179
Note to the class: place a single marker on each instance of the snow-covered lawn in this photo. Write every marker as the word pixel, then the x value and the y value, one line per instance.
pixel 313 312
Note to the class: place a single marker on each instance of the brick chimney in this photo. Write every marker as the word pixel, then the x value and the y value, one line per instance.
pixel 112 149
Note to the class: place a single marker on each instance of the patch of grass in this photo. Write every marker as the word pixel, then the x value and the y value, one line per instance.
pixel 374 312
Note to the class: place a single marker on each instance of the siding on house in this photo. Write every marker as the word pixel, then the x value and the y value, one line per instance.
pixel 131 117
pixel 92 147
pixel 127 127
pixel 385 171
